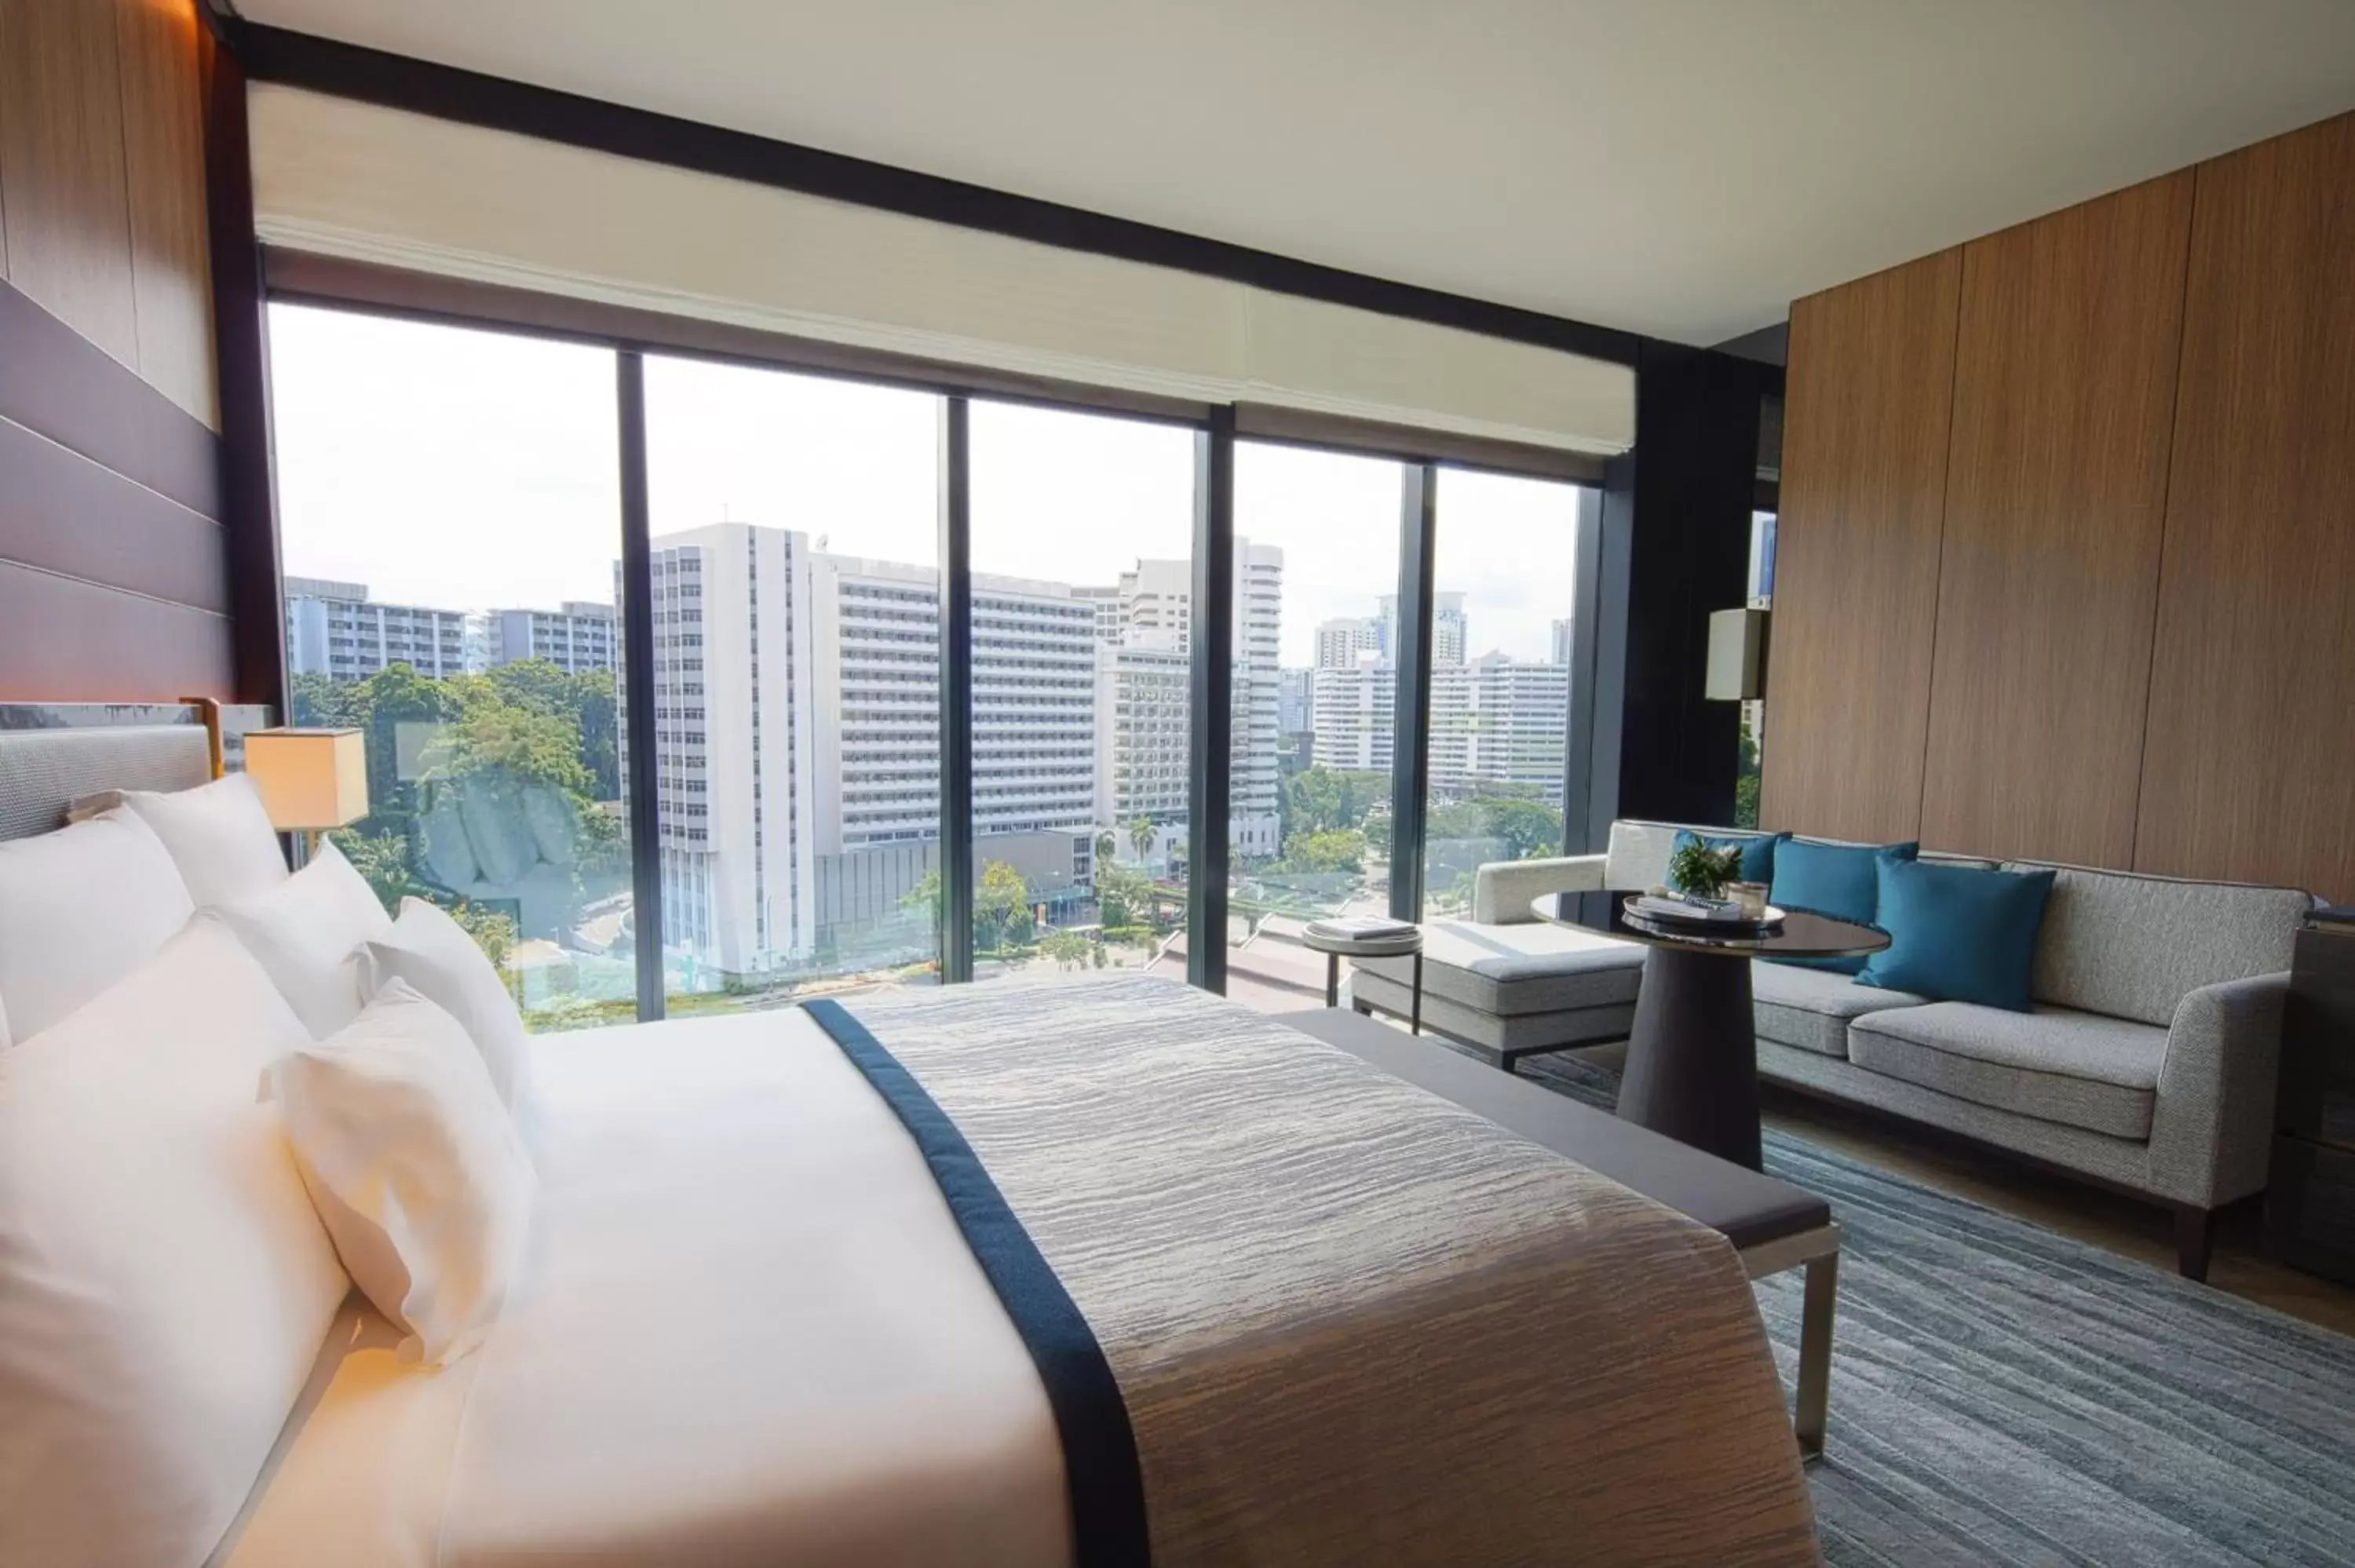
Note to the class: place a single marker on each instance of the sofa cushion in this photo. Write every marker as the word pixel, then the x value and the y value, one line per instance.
pixel 1511 970
pixel 1958 933
pixel 2132 946
pixel 2078 1069
pixel 1811 1008
pixel 1840 880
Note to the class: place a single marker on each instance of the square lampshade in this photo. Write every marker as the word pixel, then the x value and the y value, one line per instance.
pixel 309 778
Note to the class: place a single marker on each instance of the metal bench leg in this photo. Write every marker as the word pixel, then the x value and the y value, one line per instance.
pixel 1816 1353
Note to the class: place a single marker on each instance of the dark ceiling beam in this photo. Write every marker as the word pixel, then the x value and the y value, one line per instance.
pixel 399 81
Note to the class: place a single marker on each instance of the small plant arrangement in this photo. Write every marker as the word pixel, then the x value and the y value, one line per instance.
pixel 1702 872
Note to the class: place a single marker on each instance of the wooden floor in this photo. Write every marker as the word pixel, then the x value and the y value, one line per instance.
pixel 2140 1230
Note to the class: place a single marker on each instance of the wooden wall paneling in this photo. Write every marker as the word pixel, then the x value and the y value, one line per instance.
pixel 2248 755
pixel 1866 427
pixel 70 641
pixel 61 156
pixel 162 143
pixel 63 512
pixel 2056 489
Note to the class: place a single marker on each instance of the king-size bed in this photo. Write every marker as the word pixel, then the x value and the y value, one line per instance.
pixel 1095 1271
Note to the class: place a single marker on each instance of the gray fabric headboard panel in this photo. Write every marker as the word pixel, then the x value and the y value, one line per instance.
pixel 43 771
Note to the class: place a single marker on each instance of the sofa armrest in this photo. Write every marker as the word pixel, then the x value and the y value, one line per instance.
pixel 1503 890
pixel 2212 1128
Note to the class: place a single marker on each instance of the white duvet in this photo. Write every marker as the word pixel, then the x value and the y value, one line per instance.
pixel 752 1333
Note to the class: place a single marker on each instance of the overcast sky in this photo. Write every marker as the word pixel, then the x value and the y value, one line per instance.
pixel 472 471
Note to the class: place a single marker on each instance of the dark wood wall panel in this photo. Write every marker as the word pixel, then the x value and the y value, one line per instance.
pixel 2249 760
pixel 50 382
pixel 2056 488
pixel 61 161
pixel 69 641
pixel 63 512
pixel 1863 499
pixel 164 164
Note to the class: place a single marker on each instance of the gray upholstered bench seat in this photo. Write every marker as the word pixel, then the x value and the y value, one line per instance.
pixel 1773 1224
pixel 2081 1069
pixel 1811 1009
pixel 1512 990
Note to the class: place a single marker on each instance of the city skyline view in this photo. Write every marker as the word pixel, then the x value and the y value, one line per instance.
pixel 458 604
pixel 518 507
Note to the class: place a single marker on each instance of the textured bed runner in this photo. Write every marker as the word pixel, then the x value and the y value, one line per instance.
pixel 1332 1303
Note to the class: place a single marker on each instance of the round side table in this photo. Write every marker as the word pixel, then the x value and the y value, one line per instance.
pixel 1336 948
pixel 1692 1053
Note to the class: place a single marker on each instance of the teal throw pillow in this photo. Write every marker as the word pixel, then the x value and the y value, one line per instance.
pixel 1757 851
pixel 1958 933
pixel 1842 881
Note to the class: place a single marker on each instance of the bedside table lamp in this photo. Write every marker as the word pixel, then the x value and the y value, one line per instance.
pixel 310 780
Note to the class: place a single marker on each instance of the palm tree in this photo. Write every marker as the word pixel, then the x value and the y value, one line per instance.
pixel 1140 836
pixel 1107 845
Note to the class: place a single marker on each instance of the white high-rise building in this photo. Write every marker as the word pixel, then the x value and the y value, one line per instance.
pixel 797 737
pixel 1341 643
pixel 1450 628
pixel 1356 714
pixel 576 638
pixel 1498 721
pixel 1144 707
pixel 1156 620
pixel 333 629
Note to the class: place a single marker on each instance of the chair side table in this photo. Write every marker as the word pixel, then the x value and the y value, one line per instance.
pixel 1335 948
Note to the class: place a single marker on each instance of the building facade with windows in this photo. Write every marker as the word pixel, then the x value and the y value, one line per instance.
pixel 1499 722
pixel 577 638
pixel 333 629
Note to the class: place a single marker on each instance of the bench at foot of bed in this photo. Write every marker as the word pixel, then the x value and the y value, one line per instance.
pixel 1772 1225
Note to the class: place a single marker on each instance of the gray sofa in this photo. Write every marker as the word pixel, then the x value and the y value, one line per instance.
pixel 2146 1065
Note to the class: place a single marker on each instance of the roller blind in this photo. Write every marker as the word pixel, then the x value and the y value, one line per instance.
pixel 341 178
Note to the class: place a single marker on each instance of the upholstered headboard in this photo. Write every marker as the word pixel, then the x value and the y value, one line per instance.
pixel 53 754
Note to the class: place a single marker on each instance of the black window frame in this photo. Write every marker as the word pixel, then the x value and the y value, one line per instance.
pixel 293 278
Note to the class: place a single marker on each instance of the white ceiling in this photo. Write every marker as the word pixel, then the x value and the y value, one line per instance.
pixel 1681 168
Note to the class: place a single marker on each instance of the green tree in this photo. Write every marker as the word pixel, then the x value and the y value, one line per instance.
pixel 493 932
pixel 1001 907
pixel 1140 836
pixel 1342 849
pixel 382 861
pixel 1107 846
pixel 1528 827
pixel 1320 799
pixel 520 744
pixel 1069 950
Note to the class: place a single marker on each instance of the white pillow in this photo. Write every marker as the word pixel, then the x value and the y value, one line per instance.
pixel 307 933
pixel 80 908
pixel 433 953
pixel 218 835
pixel 165 1284
pixel 415 1167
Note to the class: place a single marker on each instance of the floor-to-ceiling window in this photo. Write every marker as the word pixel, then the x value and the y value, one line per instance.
pixel 794 543
pixel 450 524
pixel 1502 632
pixel 1316 554
pixel 1082 636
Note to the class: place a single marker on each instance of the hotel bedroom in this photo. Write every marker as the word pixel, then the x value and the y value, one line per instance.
pixel 932 786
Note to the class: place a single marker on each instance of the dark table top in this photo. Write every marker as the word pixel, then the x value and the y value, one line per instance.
pixel 1801 935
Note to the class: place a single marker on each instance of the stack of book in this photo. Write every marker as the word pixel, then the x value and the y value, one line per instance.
pixel 1359 927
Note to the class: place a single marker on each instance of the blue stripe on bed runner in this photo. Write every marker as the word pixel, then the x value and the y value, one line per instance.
pixel 1100 1465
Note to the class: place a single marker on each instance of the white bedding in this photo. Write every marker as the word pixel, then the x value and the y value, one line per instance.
pixel 751 1332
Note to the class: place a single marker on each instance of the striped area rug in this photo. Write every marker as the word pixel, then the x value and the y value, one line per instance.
pixel 2001 1394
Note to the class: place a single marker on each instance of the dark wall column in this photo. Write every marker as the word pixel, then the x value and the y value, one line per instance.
pixel 248 487
pixel 639 763
pixel 1210 786
pixel 1679 507
pixel 956 691
pixel 1411 716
